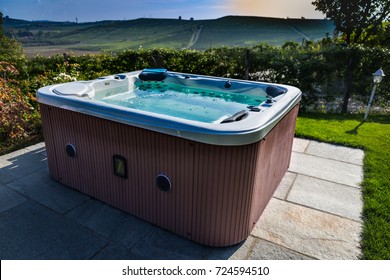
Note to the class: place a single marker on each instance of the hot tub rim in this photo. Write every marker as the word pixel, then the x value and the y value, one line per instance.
pixel 231 134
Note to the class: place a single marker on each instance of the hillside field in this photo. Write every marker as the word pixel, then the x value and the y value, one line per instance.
pixel 48 38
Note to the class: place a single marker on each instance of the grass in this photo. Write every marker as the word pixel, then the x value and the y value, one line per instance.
pixel 374 137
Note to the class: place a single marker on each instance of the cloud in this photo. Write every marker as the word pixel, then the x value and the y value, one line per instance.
pixel 275 8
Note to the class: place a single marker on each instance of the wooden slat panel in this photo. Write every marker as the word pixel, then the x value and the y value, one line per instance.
pixel 272 163
pixel 218 192
pixel 222 185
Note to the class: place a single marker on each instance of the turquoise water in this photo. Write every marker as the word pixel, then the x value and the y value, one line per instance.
pixel 184 102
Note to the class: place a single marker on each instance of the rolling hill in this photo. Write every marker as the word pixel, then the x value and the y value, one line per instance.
pixel 46 37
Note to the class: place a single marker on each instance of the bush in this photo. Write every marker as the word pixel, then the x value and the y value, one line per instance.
pixel 318 69
pixel 18 119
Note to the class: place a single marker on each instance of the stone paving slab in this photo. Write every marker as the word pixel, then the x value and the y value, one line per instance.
pixel 131 231
pixel 315 214
pixel 41 188
pixel 98 217
pixel 259 249
pixel 300 145
pixel 160 244
pixel 22 162
pixel 308 231
pixel 326 169
pixel 330 197
pixel 285 185
pixel 116 252
pixel 30 231
pixel 9 198
pixel 339 153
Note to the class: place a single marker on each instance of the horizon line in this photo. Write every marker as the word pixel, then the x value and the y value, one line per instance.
pixel 177 18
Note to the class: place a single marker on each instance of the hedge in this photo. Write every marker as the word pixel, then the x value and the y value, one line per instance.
pixel 318 70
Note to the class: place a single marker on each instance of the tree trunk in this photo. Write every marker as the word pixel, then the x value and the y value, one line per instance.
pixel 247 64
pixel 352 62
pixel 347 84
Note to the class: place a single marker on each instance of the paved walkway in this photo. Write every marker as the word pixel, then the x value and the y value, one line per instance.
pixel 314 214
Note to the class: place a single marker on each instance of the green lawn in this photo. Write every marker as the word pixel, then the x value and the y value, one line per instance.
pixel 374 137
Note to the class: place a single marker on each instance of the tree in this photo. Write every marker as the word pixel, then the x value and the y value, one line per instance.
pixel 353 17
pixel 380 39
pixel 357 20
pixel 11 51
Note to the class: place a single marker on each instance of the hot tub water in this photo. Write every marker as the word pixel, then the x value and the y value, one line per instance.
pixel 187 103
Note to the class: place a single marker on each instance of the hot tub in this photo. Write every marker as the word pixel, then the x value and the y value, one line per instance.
pixel 200 156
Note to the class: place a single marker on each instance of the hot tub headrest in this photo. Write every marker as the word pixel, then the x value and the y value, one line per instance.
pixel 275 91
pixel 158 74
pixel 236 117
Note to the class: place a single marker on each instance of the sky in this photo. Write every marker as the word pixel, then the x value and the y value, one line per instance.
pixel 96 10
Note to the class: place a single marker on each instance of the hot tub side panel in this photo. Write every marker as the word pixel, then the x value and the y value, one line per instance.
pixel 147 155
pixel 211 185
pixel 218 192
pixel 233 185
pixel 223 185
pixel 49 134
pixel 273 161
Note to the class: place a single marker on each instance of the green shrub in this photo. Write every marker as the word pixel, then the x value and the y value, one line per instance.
pixel 18 119
pixel 318 69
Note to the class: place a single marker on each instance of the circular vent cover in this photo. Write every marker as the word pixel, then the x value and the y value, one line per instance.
pixel 163 183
